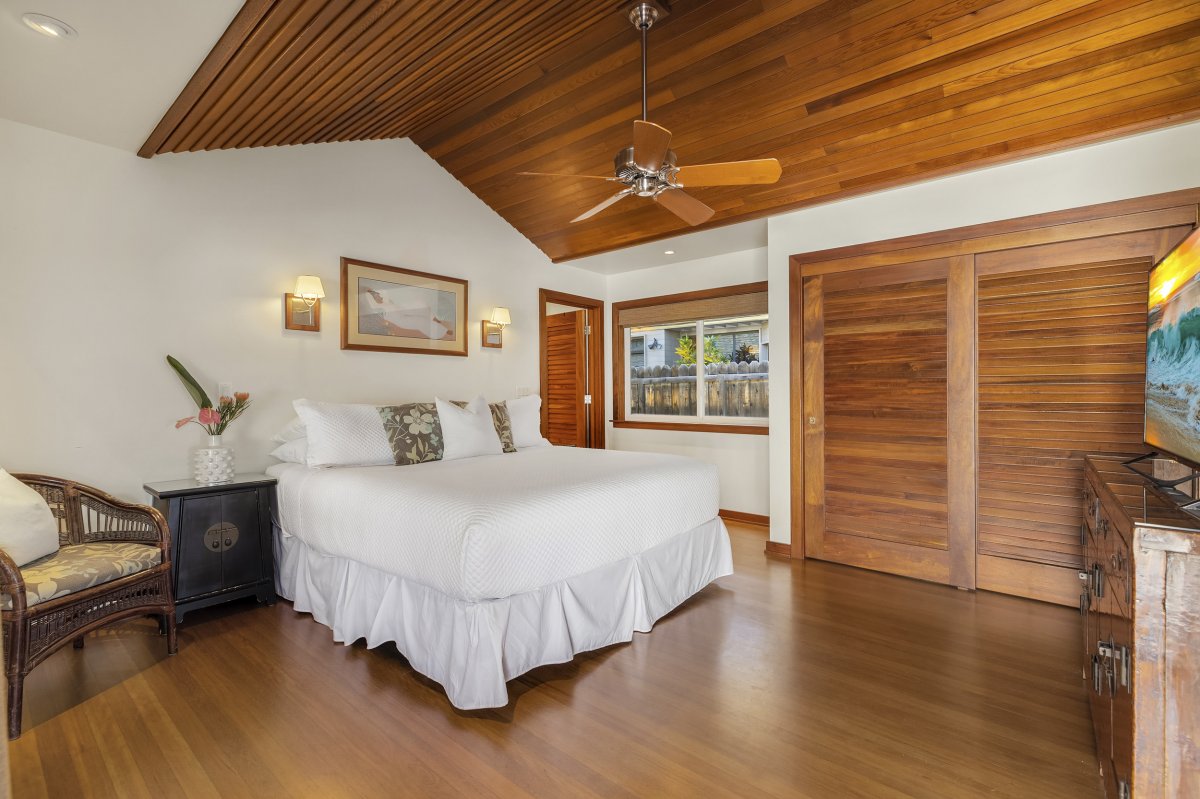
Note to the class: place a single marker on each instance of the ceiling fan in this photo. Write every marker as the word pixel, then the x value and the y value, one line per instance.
pixel 648 168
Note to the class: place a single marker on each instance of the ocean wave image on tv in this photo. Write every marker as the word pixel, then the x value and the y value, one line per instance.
pixel 1173 353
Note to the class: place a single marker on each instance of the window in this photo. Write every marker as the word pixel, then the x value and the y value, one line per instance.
pixel 695 360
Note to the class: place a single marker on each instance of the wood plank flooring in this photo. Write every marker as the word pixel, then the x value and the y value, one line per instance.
pixel 788 679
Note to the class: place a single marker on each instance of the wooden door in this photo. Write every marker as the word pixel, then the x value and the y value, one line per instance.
pixel 1062 342
pixel 888 398
pixel 566 384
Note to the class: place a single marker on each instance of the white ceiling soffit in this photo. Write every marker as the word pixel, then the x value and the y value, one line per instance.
pixel 113 82
pixel 702 244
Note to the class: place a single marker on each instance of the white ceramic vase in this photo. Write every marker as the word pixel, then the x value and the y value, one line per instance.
pixel 212 465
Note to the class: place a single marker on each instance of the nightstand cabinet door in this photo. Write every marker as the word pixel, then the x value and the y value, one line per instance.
pixel 220 543
pixel 240 540
pixel 198 563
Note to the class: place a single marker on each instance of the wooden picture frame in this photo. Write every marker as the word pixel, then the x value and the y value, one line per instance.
pixel 492 335
pixel 296 311
pixel 390 309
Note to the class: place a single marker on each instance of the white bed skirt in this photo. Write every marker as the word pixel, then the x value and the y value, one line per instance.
pixel 474 648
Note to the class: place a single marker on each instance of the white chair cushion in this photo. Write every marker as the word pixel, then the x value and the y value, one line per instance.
pixel 28 530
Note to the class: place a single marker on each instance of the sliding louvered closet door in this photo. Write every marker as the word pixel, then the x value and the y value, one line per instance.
pixel 1061 349
pixel 888 384
pixel 948 388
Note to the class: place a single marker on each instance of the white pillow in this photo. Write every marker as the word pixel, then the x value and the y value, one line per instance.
pixel 293 430
pixel 344 435
pixel 525 414
pixel 294 451
pixel 28 530
pixel 467 432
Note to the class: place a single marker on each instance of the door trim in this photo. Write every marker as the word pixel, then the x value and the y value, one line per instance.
pixel 595 357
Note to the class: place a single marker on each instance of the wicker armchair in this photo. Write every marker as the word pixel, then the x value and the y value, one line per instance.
pixel 113 563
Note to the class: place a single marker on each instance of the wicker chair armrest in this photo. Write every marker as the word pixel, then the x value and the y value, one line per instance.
pixel 11 581
pixel 130 510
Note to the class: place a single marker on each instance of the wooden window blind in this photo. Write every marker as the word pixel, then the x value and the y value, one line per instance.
pixel 750 304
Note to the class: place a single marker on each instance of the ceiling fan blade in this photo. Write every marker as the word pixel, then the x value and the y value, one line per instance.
pixel 685 206
pixel 565 175
pixel 731 173
pixel 650 144
pixel 588 214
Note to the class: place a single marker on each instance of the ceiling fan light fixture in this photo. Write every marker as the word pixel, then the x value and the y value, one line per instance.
pixel 48 26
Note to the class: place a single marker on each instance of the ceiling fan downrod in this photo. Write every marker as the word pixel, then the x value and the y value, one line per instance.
pixel 643 15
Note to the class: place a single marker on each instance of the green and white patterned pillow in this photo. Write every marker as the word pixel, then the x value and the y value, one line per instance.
pixel 503 423
pixel 414 432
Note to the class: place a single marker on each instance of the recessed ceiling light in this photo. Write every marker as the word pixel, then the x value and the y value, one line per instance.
pixel 668 252
pixel 49 26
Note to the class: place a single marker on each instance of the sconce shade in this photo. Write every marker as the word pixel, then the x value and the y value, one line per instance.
pixel 309 287
pixel 500 316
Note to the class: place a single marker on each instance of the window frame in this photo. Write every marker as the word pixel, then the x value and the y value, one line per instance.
pixel 704 424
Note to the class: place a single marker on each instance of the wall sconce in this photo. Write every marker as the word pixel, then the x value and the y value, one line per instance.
pixel 493 329
pixel 302 308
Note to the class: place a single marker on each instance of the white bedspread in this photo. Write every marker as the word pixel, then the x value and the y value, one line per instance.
pixel 495 526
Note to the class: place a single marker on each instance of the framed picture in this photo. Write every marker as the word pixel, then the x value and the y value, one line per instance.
pixel 299 314
pixel 389 309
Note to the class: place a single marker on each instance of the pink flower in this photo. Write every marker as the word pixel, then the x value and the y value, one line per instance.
pixel 241 396
pixel 224 401
pixel 183 421
pixel 209 416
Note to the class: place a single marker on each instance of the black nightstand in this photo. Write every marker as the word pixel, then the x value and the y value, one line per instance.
pixel 220 539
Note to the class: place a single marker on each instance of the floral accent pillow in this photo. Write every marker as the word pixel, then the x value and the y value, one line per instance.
pixel 503 423
pixel 414 431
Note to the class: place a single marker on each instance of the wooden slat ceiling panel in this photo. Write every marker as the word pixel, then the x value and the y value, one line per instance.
pixel 850 95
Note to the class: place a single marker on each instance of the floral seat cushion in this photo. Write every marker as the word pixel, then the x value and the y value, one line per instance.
pixel 78 566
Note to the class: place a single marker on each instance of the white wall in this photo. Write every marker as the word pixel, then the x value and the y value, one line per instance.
pixel 1150 163
pixel 742 459
pixel 108 262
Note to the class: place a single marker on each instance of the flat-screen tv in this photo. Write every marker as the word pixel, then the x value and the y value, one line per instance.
pixel 1173 353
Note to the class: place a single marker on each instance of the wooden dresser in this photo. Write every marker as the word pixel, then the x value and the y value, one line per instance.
pixel 1141 616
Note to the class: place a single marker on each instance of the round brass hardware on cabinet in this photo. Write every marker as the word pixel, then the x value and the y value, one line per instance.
pixel 221 536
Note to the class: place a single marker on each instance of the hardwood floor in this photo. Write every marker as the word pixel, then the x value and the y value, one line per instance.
pixel 788 679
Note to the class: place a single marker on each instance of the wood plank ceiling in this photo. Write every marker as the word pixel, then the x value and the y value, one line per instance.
pixel 850 95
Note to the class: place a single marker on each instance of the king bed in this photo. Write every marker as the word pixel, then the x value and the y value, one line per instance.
pixel 483 568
